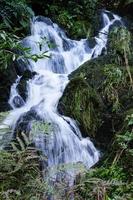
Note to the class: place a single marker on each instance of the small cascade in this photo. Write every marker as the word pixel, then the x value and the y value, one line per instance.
pixel 64 144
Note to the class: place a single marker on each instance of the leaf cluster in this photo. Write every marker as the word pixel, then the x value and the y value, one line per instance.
pixel 15 14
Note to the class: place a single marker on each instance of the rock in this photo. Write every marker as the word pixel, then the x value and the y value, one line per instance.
pixel 24 121
pixel 86 101
pixel 22 86
pixel 21 65
pixel 84 105
pixel 46 20
pixel 23 128
pixel 7 78
pixel 90 43
pixel 18 101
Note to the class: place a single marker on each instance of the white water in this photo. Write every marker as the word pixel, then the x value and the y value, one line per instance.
pixel 66 144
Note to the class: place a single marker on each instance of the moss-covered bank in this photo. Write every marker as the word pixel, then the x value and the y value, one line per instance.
pixel 98 95
pixel 109 79
pixel 96 100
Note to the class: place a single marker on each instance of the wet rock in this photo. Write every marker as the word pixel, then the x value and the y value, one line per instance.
pixel 7 78
pixel 91 43
pixel 84 105
pixel 46 20
pixel 21 66
pixel 23 124
pixel 85 101
pixel 18 101
pixel 22 86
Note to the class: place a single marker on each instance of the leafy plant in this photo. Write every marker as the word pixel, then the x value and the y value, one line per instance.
pixel 15 12
pixel 124 141
pixel 115 78
pixel 119 44
pixel 40 127
pixel 75 17
pixel 20 177
pixel 10 48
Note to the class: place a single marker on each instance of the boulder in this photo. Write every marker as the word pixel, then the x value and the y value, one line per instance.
pixel 92 102
pixel 81 102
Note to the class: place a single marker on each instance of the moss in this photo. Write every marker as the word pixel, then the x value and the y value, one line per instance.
pixel 83 106
pixel 112 177
pixel 93 70
pixel 98 94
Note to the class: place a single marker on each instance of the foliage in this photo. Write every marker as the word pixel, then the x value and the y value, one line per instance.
pixel 15 12
pixel 104 183
pixel 83 105
pixel 120 41
pixel 40 127
pixel 115 4
pixel 11 50
pixel 120 44
pixel 22 178
pixel 20 175
pixel 124 144
pixel 114 81
pixel 14 17
pixel 112 179
pixel 76 17
pixel 128 2
pixel 5 132
pixel 8 42
pixel 20 172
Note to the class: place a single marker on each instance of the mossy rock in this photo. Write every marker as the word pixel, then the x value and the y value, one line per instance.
pixel 93 71
pixel 86 101
pixel 81 102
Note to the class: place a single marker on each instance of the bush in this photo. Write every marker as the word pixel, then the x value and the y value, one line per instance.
pixel 15 14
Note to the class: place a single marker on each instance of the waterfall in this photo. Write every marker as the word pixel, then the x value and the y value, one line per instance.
pixel 65 144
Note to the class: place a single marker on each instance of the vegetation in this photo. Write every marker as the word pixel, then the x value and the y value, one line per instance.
pixel 120 44
pixel 99 97
pixel 15 15
pixel 75 17
pixel 82 106
pixel 110 78
pixel 8 44
pixel 20 177
pixel 112 179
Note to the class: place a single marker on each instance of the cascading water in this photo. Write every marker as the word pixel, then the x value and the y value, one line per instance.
pixel 65 145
